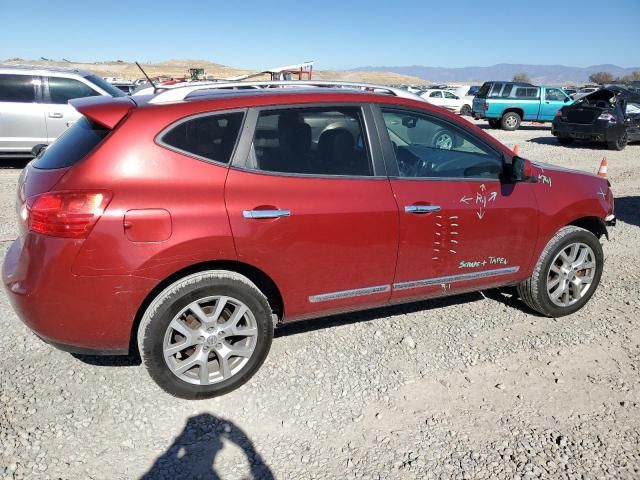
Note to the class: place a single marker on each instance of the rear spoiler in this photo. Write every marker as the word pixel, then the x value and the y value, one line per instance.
pixel 107 111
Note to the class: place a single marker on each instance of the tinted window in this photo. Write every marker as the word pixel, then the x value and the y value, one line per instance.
pixel 506 91
pixel 435 95
pixel 72 146
pixel 212 136
pixel 527 92
pixel 428 147
pixel 320 141
pixel 496 89
pixel 61 90
pixel 448 95
pixel 17 88
pixel 484 90
pixel 104 85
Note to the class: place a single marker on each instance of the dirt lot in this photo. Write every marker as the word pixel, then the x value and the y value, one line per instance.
pixel 474 386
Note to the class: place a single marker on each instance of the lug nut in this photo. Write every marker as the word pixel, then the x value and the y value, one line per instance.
pixel 218 345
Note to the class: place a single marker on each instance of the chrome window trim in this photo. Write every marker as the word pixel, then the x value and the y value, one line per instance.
pixel 356 292
pixel 158 138
pixel 455 278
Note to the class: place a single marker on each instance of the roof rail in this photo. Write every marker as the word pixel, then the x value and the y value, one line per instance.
pixel 175 93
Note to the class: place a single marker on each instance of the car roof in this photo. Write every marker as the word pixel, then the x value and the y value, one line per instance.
pixel 40 69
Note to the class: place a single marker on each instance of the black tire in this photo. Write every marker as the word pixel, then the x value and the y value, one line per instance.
pixel 494 123
pixel 534 292
pixel 510 121
pixel 171 301
pixel 465 110
pixel 565 140
pixel 619 143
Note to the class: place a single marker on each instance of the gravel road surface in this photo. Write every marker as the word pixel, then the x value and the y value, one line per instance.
pixel 473 386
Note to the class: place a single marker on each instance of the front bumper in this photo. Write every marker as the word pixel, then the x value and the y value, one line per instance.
pixel 82 314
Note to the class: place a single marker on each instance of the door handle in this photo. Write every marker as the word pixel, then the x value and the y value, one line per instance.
pixel 55 115
pixel 265 213
pixel 421 208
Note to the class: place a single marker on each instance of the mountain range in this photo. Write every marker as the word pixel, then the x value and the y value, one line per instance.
pixel 539 74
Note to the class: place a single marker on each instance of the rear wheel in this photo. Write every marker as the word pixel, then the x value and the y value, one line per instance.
pixel 510 121
pixel 465 110
pixel 566 275
pixel 206 334
pixel 565 140
pixel 619 143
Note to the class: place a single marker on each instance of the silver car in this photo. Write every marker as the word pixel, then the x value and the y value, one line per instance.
pixel 34 105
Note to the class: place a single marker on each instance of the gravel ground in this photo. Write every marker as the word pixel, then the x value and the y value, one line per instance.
pixel 473 386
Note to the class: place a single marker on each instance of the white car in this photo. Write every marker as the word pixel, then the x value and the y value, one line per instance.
pixel 444 99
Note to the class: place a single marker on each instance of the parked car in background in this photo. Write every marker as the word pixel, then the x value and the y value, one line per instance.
pixel 571 91
pixel 127 87
pixel 584 91
pixel 507 104
pixel 190 224
pixel 443 98
pixel 34 105
pixel 610 115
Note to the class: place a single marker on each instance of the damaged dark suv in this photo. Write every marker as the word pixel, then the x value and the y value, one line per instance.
pixel 610 115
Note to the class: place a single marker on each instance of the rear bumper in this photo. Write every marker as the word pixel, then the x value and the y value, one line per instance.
pixel 81 314
pixel 594 132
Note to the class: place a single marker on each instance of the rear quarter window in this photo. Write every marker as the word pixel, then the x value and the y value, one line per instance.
pixel 75 144
pixel 17 88
pixel 212 136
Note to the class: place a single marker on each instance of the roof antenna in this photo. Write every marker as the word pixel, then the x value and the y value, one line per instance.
pixel 155 89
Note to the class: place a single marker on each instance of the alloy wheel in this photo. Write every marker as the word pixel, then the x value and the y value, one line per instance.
pixel 571 274
pixel 444 141
pixel 210 340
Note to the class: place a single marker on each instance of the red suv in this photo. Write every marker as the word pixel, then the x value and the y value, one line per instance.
pixel 189 228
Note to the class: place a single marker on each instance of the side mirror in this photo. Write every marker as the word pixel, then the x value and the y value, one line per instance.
pixel 517 169
pixel 38 149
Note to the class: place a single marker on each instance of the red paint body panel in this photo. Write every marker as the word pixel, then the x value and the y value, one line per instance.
pixel 342 234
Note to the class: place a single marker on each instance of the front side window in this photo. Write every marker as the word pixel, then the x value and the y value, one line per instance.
pixel 61 90
pixel 429 147
pixel 554 94
pixel 18 88
pixel 212 137
pixel 449 95
pixel 315 141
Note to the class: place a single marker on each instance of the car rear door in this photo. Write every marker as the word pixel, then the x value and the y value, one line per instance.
pixel 58 90
pixel 22 121
pixel 310 205
pixel 553 100
pixel 461 229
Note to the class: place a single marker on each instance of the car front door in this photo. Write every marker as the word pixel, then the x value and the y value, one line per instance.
pixel 310 205
pixel 554 99
pixel 461 228
pixel 22 121
pixel 59 114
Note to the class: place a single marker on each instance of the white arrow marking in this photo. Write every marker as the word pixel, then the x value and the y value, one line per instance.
pixel 480 213
pixel 492 196
pixel 482 187
pixel 465 200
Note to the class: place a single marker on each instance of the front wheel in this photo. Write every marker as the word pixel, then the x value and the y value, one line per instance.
pixel 206 334
pixel 566 275
pixel 465 111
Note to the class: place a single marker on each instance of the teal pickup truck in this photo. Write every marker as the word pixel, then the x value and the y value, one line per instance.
pixel 507 104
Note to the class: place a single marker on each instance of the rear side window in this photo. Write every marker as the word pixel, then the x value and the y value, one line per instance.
pixel 527 92
pixel 17 88
pixel 72 146
pixel 496 89
pixel 313 141
pixel 61 90
pixel 212 137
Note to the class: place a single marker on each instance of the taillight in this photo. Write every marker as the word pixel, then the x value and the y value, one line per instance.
pixel 65 214
pixel 486 106
pixel 608 117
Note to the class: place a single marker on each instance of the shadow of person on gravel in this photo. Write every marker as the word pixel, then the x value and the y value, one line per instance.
pixel 628 209
pixel 193 452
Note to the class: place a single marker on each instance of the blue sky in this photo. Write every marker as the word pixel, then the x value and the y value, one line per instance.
pixel 336 34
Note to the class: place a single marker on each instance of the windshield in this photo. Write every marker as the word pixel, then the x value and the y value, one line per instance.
pixel 106 86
